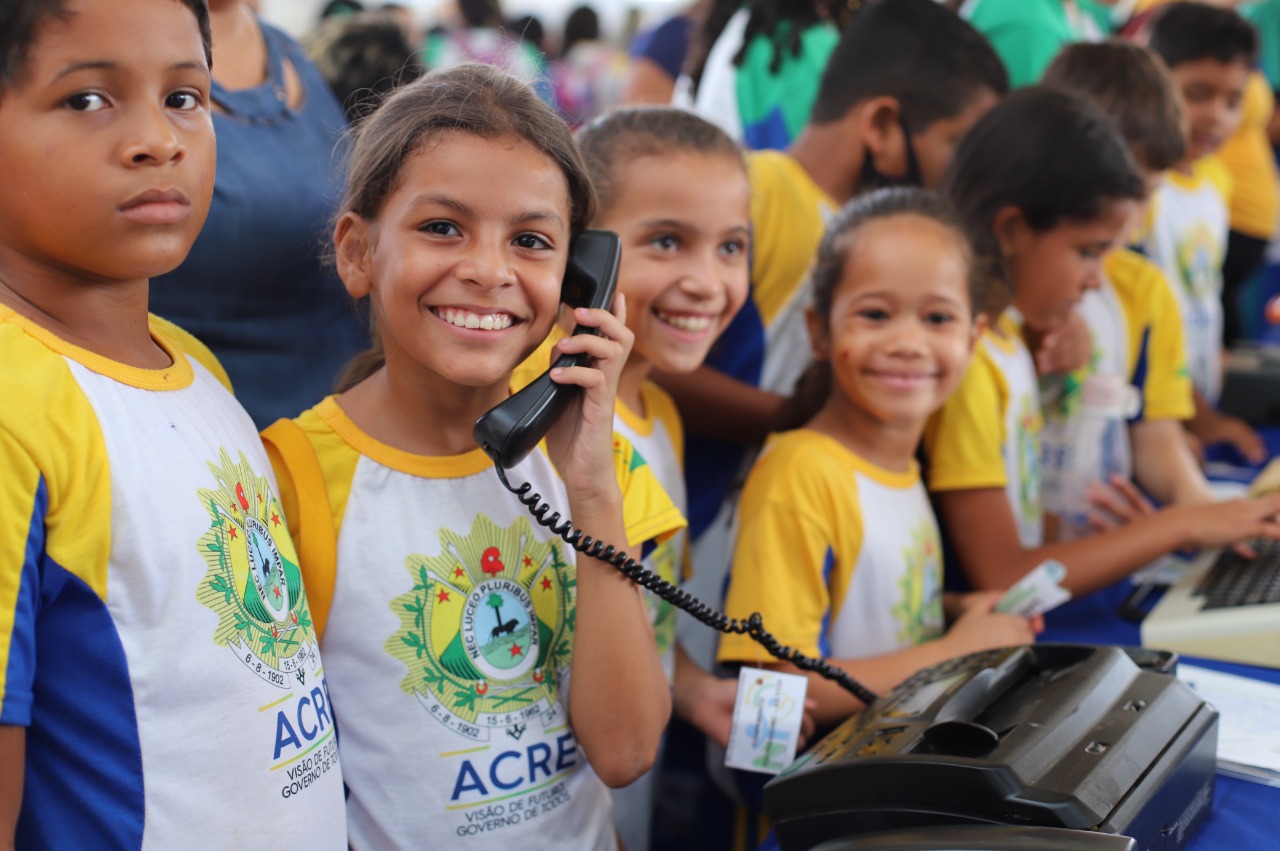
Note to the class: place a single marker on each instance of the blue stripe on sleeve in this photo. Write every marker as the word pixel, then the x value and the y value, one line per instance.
pixel 824 637
pixel 83 781
pixel 20 666
pixel 1140 370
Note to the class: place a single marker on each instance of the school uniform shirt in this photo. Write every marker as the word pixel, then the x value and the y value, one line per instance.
pixel 841 558
pixel 658 436
pixel 1136 334
pixel 448 642
pixel 1187 238
pixel 987 435
pixel 156 641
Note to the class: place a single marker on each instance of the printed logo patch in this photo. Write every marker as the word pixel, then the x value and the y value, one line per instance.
pixel 487 629
pixel 253 583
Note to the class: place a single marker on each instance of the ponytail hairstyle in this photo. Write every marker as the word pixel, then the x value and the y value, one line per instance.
pixel 470 98
pixel 1048 153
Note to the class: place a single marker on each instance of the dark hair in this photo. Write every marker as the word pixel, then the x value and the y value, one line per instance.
pixel 782 22
pixel 529 28
pixel 842 230
pixel 624 135
pixel 1052 155
pixel 20 22
pixel 362 57
pixel 1132 86
pixel 340 8
pixel 1185 32
pixel 927 58
pixel 481 13
pixel 470 98
pixel 583 24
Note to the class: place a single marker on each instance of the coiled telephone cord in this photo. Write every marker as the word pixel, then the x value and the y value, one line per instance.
pixel 673 594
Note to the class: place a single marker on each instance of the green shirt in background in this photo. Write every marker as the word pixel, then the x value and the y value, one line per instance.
pixel 1027 34
pixel 1265 16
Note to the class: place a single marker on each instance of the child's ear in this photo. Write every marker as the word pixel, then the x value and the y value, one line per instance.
pixel 1008 227
pixel 880 134
pixel 819 340
pixel 975 331
pixel 352 245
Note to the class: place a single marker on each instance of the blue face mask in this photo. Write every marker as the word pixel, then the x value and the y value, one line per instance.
pixel 873 178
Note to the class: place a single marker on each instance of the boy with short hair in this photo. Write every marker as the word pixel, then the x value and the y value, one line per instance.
pixel 1133 319
pixel 906 80
pixel 160 685
pixel 1210 52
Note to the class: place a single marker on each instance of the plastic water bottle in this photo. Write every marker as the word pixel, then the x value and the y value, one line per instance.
pixel 1097 447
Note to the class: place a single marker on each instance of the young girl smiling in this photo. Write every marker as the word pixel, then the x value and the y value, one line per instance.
pixel 454 619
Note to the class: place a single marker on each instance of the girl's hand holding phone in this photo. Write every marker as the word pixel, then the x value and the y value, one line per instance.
pixel 581 442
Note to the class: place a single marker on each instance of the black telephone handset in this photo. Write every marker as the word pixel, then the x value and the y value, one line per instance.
pixel 511 430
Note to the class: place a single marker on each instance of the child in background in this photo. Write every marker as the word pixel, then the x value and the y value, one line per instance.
pixel 839 549
pixel 1043 219
pixel 1210 52
pixel 904 83
pixel 674 187
pixel 1135 326
pixel 160 665
pixel 455 620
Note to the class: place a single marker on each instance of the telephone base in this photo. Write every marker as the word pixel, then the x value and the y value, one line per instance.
pixel 1054 735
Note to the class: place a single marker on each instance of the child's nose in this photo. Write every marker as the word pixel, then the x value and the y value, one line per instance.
pixel 908 337
pixel 153 139
pixel 487 264
pixel 701 276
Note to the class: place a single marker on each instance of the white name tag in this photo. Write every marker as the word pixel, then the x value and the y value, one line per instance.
pixel 766 720
pixel 1037 592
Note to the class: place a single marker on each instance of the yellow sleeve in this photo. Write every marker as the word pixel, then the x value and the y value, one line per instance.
pixel 792 551
pixel 787 224
pixel 55 502
pixel 1157 352
pixel 192 348
pixel 647 510
pixel 314 469
pixel 963 441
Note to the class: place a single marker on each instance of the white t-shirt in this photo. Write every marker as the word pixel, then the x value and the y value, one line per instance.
pixel 448 644
pixel 155 632
pixel 1187 238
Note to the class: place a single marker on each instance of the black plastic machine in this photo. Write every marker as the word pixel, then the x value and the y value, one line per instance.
pixel 1053 739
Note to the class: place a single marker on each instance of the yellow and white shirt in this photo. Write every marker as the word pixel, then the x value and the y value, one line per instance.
pixel 842 558
pixel 766 345
pixel 1136 335
pixel 156 640
pixel 1187 239
pixel 448 635
pixel 987 435
pixel 658 436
